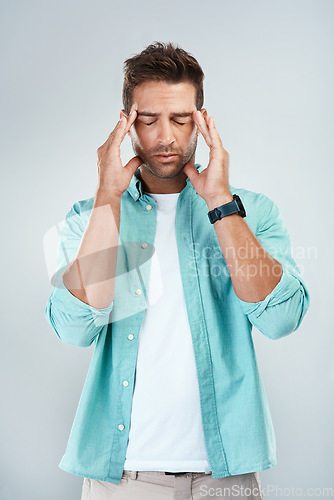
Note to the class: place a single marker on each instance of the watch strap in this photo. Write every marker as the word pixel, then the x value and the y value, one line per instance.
pixel 232 207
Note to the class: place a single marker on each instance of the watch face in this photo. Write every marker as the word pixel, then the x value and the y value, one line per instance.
pixel 240 205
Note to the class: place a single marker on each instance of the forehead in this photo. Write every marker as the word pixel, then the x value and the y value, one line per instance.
pixel 159 97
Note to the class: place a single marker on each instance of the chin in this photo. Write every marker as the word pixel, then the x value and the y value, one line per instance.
pixel 165 171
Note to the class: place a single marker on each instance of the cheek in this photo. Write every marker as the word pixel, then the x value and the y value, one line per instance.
pixel 191 131
pixel 141 136
pixel 190 137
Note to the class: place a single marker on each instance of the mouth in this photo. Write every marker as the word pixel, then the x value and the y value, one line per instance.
pixel 166 157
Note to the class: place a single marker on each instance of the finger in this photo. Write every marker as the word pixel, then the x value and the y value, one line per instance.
pixel 203 128
pixel 216 140
pixel 111 135
pixel 133 164
pixel 131 118
pixel 116 129
pixel 121 129
pixel 190 171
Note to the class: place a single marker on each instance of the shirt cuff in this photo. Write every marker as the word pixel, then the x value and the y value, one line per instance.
pixel 285 288
pixel 76 307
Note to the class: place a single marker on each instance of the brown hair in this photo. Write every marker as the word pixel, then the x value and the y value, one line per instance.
pixel 162 62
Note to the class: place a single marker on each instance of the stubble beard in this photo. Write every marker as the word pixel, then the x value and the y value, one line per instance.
pixel 165 170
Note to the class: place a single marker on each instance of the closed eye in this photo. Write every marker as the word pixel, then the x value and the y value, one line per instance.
pixel 179 123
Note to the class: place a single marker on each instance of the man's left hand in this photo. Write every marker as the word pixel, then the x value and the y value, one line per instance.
pixel 212 184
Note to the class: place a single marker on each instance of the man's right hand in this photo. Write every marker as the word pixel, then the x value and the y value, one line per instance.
pixel 113 178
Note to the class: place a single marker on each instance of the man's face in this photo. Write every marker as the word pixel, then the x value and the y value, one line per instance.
pixel 164 126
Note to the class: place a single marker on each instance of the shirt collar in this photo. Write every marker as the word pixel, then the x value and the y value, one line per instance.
pixel 135 186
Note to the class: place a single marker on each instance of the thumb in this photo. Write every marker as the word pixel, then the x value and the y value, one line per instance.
pixel 190 171
pixel 133 164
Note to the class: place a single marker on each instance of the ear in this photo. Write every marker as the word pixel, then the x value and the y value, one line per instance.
pixel 123 113
pixel 204 113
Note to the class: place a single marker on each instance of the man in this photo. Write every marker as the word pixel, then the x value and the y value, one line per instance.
pixel 166 270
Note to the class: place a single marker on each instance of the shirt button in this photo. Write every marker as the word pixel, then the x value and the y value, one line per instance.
pixel 125 383
pixel 148 207
pixel 138 291
pixel 131 336
pixel 121 427
pixel 136 195
pixel 144 245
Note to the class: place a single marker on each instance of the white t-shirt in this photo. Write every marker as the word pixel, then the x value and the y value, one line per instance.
pixel 166 432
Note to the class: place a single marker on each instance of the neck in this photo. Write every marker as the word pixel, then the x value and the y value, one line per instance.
pixel 153 184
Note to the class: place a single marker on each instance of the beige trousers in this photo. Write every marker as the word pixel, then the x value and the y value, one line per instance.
pixel 152 485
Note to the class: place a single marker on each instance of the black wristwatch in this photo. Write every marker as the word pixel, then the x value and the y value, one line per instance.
pixel 232 207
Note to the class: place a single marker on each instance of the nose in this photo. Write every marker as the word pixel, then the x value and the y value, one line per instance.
pixel 165 133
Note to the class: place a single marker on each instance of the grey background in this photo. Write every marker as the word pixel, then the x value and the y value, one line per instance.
pixel 269 85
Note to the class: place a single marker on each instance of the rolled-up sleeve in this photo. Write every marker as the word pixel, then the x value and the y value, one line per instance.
pixel 282 311
pixel 75 322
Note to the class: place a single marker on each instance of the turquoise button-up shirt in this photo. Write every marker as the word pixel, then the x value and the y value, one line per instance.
pixel 237 424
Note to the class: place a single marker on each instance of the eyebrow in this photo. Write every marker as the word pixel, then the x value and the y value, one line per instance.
pixel 178 115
